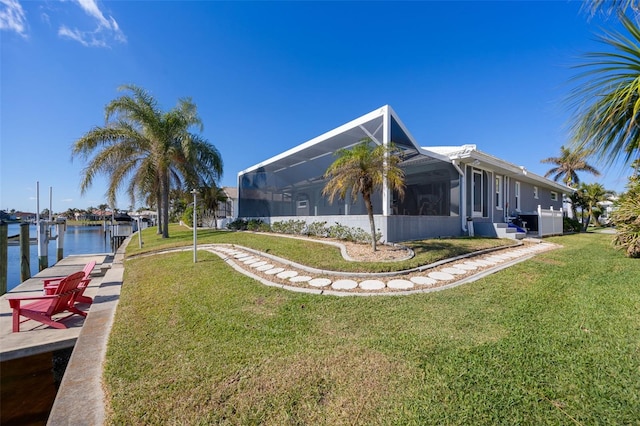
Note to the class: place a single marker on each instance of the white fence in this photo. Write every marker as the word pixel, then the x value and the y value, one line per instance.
pixel 549 221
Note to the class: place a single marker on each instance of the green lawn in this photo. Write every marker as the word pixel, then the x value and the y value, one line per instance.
pixel 553 340
pixel 324 257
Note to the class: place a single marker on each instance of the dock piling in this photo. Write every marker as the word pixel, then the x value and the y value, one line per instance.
pixel 61 227
pixel 25 255
pixel 4 256
pixel 43 246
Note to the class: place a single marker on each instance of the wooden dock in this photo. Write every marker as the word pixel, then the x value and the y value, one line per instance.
pixel 34 337
pixel 34 360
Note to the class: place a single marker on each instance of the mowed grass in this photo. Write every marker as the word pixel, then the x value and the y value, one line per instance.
pixel 325 257
pixel 553 340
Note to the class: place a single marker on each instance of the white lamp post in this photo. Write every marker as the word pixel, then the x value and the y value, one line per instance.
pixel 195 228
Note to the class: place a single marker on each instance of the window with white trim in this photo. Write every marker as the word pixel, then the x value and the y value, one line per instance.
pixel 554 196
pixel 516 194
pixel 498 192
pixel 477 199
pixel 535 192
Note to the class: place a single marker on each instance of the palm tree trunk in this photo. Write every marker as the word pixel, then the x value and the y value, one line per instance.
pixel 367 202
pixel 164 210
pixel 159 210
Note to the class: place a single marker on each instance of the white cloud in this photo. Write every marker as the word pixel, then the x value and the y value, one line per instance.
pixel 107 28
pixel 92 9
pixel 12 17
pixel 85 38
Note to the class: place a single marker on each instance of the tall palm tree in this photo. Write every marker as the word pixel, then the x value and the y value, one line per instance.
pixel 606 102
pixel 568 164
pixel 362 170
pixel 149 148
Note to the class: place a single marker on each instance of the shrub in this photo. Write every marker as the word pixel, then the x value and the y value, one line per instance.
pixel 340 232
pixel 571 225
pixel 187 216
pixel 317 229
pixel 238 225
pixel 347 233
pixel 257 225
pixel 249 225
pixel 626 218
pixel 295 227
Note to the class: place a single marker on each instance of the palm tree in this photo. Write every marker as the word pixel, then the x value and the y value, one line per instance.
pixel 568 164
pixel 592 194
pixel 606 102
pixel 151 149
pixel 212 197
pixel 362 170
pixel 609 6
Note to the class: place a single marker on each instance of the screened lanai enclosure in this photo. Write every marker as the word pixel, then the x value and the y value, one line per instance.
pixel 289 185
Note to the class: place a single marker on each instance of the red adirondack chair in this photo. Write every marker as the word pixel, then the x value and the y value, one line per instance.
pixel 50 284
pixel 46 306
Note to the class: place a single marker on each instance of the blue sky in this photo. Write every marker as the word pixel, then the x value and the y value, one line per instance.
pixel 267 76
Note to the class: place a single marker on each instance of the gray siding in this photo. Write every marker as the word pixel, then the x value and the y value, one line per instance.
pixel 528 202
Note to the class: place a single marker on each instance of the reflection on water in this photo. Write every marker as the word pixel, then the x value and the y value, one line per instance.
pixel 77 240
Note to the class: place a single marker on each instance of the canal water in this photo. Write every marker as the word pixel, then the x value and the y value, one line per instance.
pixel 77 240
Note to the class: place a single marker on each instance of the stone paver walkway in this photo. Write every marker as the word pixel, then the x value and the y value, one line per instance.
pixel 274 271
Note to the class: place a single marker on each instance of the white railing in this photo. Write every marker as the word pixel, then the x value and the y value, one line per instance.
pixel 549 221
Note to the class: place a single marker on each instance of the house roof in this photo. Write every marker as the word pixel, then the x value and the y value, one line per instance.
pixel 231 192
pixel 312 158
pixel 469 154
pixel 379 125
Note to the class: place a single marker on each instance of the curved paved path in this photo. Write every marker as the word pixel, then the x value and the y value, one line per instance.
pixel 274 271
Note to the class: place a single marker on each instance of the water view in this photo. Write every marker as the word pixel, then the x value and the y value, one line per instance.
pixel 77 240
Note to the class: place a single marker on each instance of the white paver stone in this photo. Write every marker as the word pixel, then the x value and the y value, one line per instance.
pixel 423 280
pixel 502 257
pixel 300 279
pixel 467 266
pixel 265 267
pixel 273 271
pixel 475 263
pixel 258 264
pixel 372 285
pixel 344 285
pixel 320 282
pixel 454 271
pixel 242 256
pixel 251 261
pixel 440 276
pixel 484 262
pixel 511 255
pixel 287 274
pixel 495 259
pixel 400 284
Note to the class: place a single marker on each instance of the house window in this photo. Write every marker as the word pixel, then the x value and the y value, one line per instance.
pixel 554 196
pixel 516 193
pixel 499 192
pixel 477 201
pixel 535 192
